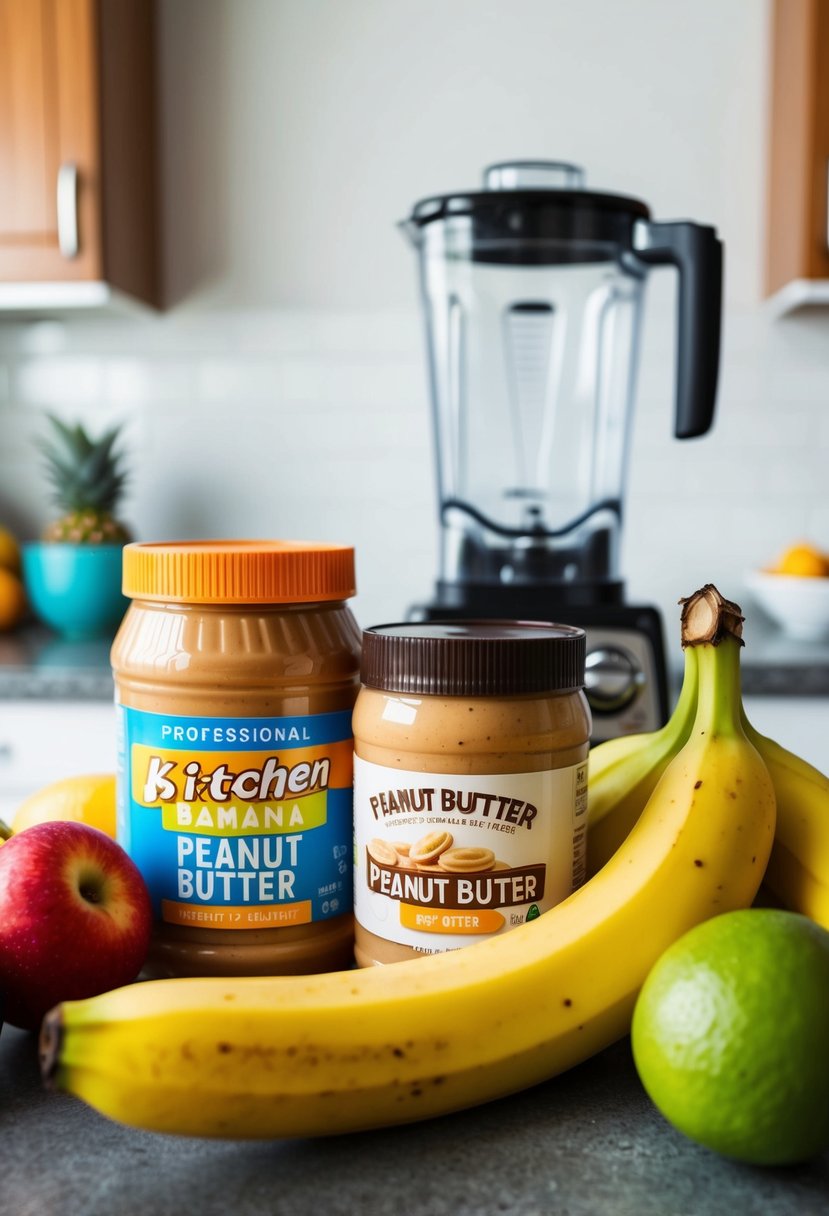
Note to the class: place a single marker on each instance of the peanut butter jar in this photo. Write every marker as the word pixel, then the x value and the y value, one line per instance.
pixel 236 669
pixel 470 782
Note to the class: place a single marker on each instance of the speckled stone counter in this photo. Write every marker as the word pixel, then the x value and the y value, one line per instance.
pixel 588 1143
pixel 36 664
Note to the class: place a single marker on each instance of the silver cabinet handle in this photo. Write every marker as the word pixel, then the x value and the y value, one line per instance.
pixel 68 210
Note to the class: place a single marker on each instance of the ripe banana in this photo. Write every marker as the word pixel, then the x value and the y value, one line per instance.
pixel 623 772
pixel 798 870
pixel 346 1051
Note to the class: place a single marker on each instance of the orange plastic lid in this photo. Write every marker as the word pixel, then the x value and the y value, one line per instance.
pixel 239 571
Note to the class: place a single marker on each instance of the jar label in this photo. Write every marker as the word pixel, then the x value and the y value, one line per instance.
pixel 442 859
pixel 238 823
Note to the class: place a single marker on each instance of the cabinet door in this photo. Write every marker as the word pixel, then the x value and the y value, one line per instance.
pixel 798 201
pixel 49 125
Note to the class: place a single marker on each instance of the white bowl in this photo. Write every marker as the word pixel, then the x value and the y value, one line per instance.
pixel 799 605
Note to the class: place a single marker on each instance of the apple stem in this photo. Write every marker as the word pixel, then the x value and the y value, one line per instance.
pixel 50 1045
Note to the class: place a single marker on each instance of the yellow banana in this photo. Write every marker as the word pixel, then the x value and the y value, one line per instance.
pixel 798 870
pixel 623 772
pixel 307 1056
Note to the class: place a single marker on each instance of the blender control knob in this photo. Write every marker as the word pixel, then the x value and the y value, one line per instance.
pixel 612 679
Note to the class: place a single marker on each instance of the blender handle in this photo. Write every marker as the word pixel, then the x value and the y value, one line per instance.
pixel 697 253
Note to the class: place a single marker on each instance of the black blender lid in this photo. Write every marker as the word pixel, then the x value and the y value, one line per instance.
pixel 536 200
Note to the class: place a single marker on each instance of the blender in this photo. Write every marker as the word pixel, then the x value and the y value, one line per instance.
pixel 532 290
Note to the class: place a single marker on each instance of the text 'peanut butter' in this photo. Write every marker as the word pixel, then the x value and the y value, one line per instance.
pixel 236 671
pixel 470 775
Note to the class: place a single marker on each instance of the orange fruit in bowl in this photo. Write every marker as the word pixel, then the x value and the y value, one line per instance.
pixel 12 600
pixel 803 560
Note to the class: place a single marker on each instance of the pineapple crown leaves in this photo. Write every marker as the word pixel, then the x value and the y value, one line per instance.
pixel 83 472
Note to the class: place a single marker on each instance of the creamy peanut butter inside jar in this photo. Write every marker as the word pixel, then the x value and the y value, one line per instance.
pixel 470 782
pixel 236 669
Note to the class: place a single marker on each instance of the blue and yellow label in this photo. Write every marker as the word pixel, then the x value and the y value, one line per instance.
pixel 238 823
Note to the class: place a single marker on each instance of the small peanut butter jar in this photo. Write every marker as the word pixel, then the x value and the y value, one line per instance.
pixel 470 780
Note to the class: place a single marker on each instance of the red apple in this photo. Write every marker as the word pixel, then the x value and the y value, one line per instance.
pixel 75 918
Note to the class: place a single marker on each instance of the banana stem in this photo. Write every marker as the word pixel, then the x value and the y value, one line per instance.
pixel 713 626
pixel 708 616
pixel 686 702
pixel 720 696
pixel 50 1046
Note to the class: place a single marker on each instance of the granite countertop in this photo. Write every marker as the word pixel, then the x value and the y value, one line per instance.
pixel 37 664
pixel 776 665
pixel 588 1143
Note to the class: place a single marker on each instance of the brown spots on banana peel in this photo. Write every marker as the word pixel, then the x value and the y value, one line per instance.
pixel 416 1089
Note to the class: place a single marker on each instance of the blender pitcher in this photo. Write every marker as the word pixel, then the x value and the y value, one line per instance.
pixel 532 290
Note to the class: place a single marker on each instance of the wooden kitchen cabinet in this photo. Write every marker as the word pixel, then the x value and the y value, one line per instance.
pixel 78 197
pixel 797 265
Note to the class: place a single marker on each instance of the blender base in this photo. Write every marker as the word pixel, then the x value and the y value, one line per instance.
pixel 626 673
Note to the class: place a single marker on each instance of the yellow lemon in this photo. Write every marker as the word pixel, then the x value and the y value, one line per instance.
pixel 729 1036
pixel 804 560
pixel 87 799
pixel 9 552
pixel 12 600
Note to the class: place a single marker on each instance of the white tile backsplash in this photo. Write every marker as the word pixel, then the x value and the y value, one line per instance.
pixel 309 416
pixel 318 426
pixel 61 382
pixel 139 382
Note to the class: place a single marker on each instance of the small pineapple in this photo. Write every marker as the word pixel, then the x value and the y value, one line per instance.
pixel 87 482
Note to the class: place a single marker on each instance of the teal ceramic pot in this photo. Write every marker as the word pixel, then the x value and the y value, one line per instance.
pixel 75 589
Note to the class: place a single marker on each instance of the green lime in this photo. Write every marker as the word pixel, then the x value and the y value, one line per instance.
pixel 730 1036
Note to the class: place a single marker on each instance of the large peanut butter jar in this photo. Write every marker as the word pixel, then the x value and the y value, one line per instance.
pixel 236 670
pixel 470 776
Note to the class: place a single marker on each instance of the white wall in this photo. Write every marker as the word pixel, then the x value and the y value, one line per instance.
pixel 299 130
pixel 284 391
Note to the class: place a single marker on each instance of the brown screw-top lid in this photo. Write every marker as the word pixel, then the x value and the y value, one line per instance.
pixel 474 658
